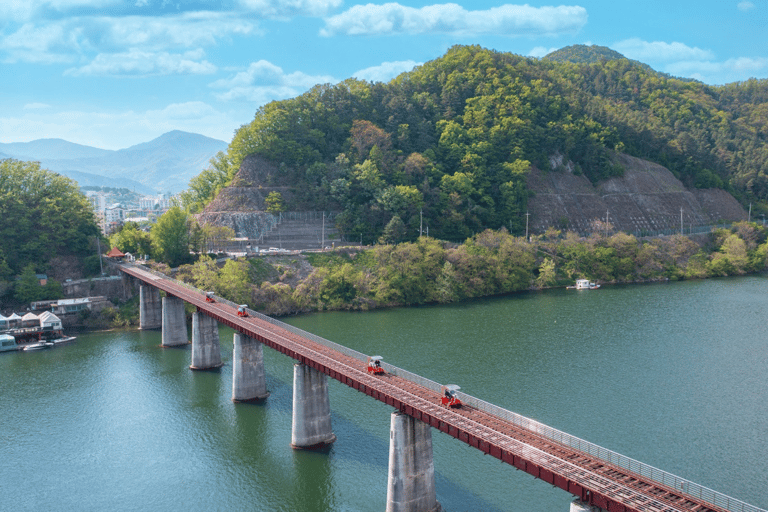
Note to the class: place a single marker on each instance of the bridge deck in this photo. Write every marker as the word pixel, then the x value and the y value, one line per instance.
pixel 595 481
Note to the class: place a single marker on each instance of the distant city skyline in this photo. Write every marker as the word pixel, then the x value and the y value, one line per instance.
pixel 114 73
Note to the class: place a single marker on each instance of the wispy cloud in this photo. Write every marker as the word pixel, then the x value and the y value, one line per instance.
pixel 385 71
pixel 36 106
pixel 289 8
pixel 144 63
pixel 541 51
pixel 21 11
pixel 508 20
pixel 77 38
pixel 745 6
pixel 731 70
pixel 263 82
pixel 645 51
pixel 681 60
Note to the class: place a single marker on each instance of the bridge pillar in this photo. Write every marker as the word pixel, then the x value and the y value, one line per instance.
pixel 411 479
pixel 150 308
pixel 206 354
pixel 174 322
pixel 311 409
pixel 248 379
pixel 580 506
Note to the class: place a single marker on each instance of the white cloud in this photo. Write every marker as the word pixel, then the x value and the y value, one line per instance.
pixel 64 40
pixel 732 70
pixel 659 51
pixel 36 106
pixel 385 71
pixel 263 82
pixel 24 10
pixel 541 51
pixel 144 63
pixel 21 11
pixel 285 8
pixel 117 130
pixel 510 20
pixel 678 59
pixel 745 6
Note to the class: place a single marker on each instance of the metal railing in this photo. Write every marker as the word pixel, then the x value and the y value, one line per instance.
pixel 662 477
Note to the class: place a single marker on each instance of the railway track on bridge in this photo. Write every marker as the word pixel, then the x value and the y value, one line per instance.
pixel 592 479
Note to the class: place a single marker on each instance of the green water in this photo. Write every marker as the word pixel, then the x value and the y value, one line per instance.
pixel 673 375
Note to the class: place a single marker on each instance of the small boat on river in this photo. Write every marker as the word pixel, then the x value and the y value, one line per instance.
pixel 38 346
pixel 585 284
pixel 62 341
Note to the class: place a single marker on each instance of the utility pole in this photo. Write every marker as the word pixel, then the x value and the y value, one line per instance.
pixel 322 240
pixel 681 220
pixel 98 245
pixel 526 225
pixel 421 222
pixel 749 219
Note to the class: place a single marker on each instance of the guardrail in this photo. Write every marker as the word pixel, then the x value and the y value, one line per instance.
pixel 657 475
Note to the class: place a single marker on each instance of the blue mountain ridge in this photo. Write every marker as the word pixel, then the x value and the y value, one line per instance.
pixel 164 164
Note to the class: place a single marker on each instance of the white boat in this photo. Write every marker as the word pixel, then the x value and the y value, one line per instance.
pixel 586 284
pixel 61 341
pixel 38 346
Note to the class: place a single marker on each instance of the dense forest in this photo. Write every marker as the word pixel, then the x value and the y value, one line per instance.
pixel 453 140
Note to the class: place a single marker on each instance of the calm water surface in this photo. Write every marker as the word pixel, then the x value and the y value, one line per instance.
pixel 673 375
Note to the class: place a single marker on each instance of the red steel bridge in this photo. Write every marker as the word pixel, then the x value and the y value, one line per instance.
pixel 597 476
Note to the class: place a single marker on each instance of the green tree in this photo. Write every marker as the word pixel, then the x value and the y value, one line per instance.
pixel 275 203
pixel 234 281
pixel 204 187
pixel 170 237
pixel 132 239
pixel 28 288
pixel 394 232
pixel 547 274
pixel 42 214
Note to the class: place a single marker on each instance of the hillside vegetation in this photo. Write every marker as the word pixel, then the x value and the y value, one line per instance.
pixel 45 225
pixel 453 141
pixel 489 263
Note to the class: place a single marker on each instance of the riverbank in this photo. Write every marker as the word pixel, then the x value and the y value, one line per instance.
pixel 489 264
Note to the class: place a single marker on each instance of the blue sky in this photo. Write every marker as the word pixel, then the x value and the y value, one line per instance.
pixel 114 73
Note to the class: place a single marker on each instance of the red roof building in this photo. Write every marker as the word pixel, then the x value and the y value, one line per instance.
pixel 115 253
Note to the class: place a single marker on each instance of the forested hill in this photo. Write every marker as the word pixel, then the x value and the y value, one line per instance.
pixel 456 138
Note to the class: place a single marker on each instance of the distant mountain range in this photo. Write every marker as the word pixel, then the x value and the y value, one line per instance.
pixel 164 164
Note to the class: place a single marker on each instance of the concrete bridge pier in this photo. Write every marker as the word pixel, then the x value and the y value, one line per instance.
pixel 580 506
pixel 174 322
pixel 248 379
pixel 311 409
pixel 411 479
pixel 206 354
pixel 150 308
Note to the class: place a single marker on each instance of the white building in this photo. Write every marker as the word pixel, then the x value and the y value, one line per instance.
pixel 157 204
pixel 113 218
pixel 98 200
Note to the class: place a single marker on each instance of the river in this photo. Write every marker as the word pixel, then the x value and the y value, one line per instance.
pixel 674 375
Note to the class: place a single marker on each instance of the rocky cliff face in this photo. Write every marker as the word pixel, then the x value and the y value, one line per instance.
pixel 242 207
pixel 647 198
